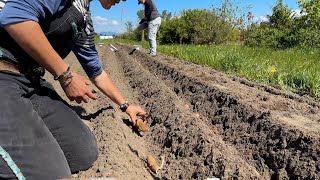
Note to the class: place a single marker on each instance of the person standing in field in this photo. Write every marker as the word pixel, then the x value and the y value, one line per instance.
pixel 152 21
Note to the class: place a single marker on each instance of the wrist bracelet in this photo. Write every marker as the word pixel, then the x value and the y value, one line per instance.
pixel 66 80
pixel 63 75
pixel 123 107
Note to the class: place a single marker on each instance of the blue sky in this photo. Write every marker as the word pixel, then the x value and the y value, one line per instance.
pixel 111 20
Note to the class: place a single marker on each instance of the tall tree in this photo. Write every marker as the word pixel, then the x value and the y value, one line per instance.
pixel 140 14
pixel 165 15
pixel 129 26
pixel 231 12
pixel 281 17
pixel 311 13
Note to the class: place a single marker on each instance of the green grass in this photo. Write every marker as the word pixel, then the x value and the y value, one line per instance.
pixel 295 69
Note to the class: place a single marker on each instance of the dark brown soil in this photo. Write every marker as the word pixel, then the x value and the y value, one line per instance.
pixel 206 123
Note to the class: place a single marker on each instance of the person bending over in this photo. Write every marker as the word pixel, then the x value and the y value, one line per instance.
pixel 45 138
pixel 152 21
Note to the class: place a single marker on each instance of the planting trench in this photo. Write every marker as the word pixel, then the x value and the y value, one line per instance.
pixel 205 123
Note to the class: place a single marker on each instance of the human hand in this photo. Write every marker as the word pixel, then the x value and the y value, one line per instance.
pixel 134 111
pixel 77 90
pixel 106 4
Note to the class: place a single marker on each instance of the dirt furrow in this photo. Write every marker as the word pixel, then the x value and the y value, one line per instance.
pixel 192 148
pixel 205 123
pixel 274 131
pixel 122 152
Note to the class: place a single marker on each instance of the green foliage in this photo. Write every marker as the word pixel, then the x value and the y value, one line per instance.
pixel 140 15
pixel 281 17
pixel 195 26
pixel 128 34
pixel 298 82
pixel 235 35
pixel 165 15
pixel 219 24
pixel 294 69
pixel 271 37
pixel 283 38
pixel 225 23
pixel 129 25
pixel 307 37
pixel 230 12
pixel 171 31
pixel 286 31
pixel 311 10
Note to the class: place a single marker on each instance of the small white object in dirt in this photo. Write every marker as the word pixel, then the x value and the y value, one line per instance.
pixel 213 178
pixel 137 47
pixel 114 49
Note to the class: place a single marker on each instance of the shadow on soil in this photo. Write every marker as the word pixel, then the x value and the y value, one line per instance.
pixel 81 111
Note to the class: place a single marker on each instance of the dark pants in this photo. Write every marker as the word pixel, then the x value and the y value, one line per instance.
pixel 46 139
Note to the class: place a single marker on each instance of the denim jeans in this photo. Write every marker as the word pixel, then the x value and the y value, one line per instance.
pixel 153 27
pixel 46 139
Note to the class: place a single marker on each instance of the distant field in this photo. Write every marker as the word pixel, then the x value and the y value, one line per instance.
pixel 295 69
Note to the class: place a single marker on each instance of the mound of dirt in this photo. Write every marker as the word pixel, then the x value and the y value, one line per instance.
pixel 206 123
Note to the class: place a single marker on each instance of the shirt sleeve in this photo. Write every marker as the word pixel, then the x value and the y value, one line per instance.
pixel 86 52
pixel 148 9
pixel 89 60
pixel 15 11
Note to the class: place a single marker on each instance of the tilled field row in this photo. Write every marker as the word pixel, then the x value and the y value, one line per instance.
pixel 191 147
pixel 206 131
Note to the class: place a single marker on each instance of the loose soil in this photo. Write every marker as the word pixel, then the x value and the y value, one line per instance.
pixel 205 123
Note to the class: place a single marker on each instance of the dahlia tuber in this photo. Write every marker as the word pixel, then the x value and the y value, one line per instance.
pixel 142 126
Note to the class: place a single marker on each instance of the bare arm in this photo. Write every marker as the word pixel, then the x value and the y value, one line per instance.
pixel 105 85
pixel 31 38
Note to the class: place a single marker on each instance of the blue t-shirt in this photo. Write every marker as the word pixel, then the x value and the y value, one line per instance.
pixel 14 11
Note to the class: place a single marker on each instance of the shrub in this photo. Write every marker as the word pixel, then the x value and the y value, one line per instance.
pixel 196 27
pixel 268 37
pixel 172 31
pixel 308 37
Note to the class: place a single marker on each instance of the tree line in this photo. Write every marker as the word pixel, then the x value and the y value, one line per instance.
pixel 228 23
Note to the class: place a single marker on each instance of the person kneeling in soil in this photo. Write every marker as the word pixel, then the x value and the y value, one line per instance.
pixel 45 138
pixel 152 21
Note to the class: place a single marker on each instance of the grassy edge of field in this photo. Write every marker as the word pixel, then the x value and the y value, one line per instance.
pixel 296 69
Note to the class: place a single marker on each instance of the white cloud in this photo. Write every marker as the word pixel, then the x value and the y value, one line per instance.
pixel 260 19
pixel 115 23
pixel 102 24
pixel 98 20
